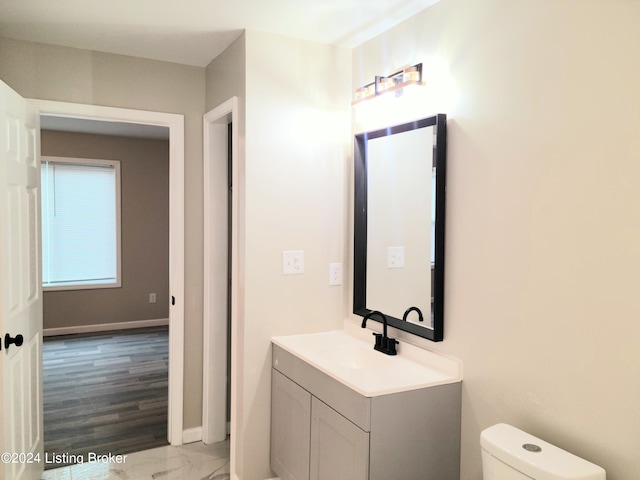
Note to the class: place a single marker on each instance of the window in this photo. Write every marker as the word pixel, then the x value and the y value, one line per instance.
pixel 80 223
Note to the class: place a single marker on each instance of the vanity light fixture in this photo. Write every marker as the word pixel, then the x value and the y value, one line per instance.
pixel 395 82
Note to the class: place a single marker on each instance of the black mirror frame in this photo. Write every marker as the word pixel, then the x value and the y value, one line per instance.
pixel 439 122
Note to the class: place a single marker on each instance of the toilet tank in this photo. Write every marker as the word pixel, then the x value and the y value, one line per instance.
pixel 511 454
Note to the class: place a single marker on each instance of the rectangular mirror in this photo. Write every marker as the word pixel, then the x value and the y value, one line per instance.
pixel 399 220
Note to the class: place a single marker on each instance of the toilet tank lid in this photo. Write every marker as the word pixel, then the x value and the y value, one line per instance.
pixel 507 444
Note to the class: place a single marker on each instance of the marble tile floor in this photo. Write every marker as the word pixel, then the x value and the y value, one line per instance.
pixel 194 461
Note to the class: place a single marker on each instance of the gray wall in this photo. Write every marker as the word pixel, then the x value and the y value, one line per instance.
pixel 144 174
pixel 226 77
pixel 81 76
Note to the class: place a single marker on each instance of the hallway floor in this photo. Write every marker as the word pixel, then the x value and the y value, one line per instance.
pixel 105 392
pixel 194 461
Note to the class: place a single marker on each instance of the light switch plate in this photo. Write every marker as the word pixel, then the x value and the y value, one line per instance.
pixel 335 274
pixel 292 262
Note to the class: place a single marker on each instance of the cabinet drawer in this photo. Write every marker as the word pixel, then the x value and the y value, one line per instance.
pixel 341 398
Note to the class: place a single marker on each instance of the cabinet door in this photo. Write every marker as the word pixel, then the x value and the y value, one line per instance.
pixel 290 428
pixel 339 449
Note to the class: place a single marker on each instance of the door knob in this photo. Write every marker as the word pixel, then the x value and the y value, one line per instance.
pixel 8 340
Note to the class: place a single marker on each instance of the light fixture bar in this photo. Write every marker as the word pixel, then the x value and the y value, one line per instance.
pixel 390 83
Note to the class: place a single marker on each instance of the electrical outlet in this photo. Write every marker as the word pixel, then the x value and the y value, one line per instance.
pixel 395 257
pixel 292 262
pixel 335 274
pixel 152 298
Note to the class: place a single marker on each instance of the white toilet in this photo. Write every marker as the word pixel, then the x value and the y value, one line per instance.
pixel 511 454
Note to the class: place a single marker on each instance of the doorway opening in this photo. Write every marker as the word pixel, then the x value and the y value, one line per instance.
pixel 221 275
pixel 175 124
pixel 105 351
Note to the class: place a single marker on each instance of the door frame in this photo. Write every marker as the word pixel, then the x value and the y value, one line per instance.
pixel 214 366
pixel 175 123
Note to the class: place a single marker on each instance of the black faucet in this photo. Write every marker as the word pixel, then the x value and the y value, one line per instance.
pixel 409 310
pixel 383 344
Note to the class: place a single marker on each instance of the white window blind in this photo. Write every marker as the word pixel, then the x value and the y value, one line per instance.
pixel 80 223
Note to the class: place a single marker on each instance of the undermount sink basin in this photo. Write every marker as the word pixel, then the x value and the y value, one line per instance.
pixel 357 357
pixel 348 356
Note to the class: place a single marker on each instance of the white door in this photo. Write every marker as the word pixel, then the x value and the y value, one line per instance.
pixel 20 290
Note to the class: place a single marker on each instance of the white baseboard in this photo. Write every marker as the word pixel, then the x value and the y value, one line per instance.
pixel 191 435
pixel 236 477
pixel 104 327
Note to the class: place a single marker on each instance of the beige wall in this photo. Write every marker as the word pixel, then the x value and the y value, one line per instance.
pixel 543 227
pixel 294 138
pixel 82 76
pixel 144 175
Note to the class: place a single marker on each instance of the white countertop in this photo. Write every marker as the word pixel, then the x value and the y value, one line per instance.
pixel 348 356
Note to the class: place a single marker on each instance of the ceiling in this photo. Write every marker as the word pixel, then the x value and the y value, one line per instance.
pixel 193 32
pixel 190 32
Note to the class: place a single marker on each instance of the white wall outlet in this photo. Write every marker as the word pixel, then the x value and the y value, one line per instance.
pixel 152 298
pixel 292 262
pixel 335 274
pixel 395 257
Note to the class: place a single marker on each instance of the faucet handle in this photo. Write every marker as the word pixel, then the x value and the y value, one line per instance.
pixel 385 345
pixel 391 346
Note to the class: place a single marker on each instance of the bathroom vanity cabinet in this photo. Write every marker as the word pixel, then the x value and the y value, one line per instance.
pixel 321 429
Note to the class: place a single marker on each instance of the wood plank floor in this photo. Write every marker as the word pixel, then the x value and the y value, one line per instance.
pixel 105 393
